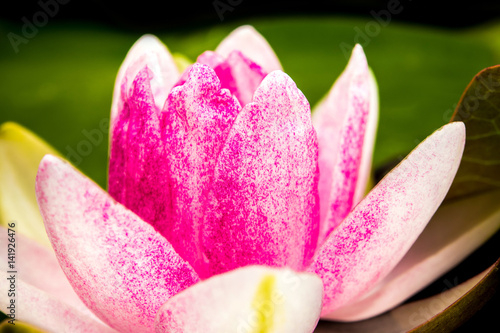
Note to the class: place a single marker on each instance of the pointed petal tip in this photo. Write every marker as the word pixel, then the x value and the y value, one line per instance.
pixel 358 50
pixel 358 59
pixel 278 83
pixel 200 77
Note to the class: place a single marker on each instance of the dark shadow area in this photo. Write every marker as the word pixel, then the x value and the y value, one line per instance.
pixel 157 16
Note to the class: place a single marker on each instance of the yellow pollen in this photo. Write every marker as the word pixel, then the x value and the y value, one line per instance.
pixel 263 305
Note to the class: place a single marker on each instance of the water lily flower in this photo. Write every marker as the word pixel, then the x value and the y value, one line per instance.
pixel 228 207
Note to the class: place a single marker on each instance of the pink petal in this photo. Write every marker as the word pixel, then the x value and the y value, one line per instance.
pixel 263 205
pixel 455 231
pixel 341 123
pixel 145 78
pixel 195 123
pixel 211 59
pixel 247 40
pixel 119 266
pixel 40 309
pixel 237 73
pixel 136 153
pixel 150 51
pixel 249 299
pixel 379 231
pixel 365 164
pixel 37 266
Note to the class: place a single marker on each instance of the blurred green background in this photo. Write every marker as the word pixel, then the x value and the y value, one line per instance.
pixel 59 84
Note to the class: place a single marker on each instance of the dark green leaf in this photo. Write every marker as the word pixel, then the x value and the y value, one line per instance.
pixel 479 109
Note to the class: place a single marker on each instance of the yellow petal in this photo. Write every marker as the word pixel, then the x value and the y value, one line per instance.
pixel 19 327
pixel 20 153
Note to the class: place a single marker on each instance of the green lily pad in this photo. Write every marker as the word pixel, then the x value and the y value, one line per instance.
pixel 479 109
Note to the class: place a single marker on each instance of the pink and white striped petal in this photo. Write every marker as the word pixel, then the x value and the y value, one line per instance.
pixel 195 123
pixel 341 121
pixel 456 230
pixel 237 73
pixel 37 266
pixel 40 309
pixel 151 52
pixel 262 207
pixel 120 267
pixel 247 40
pixel 249 299
pixel 376 235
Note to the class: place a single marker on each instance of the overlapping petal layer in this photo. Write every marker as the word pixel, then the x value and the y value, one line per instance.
pixel 195 123
pixel 249 299
pixel 146 76
pixel 237 73
pixel 263 203
pixel 121 268
pixel 46 312
pixel 161 163
pixel 341 121
pixel 455 231
pixel 37 266
pixel 225 167
pixel 374 237
pixel 149 51
pixel 136 152
pixel 249 42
